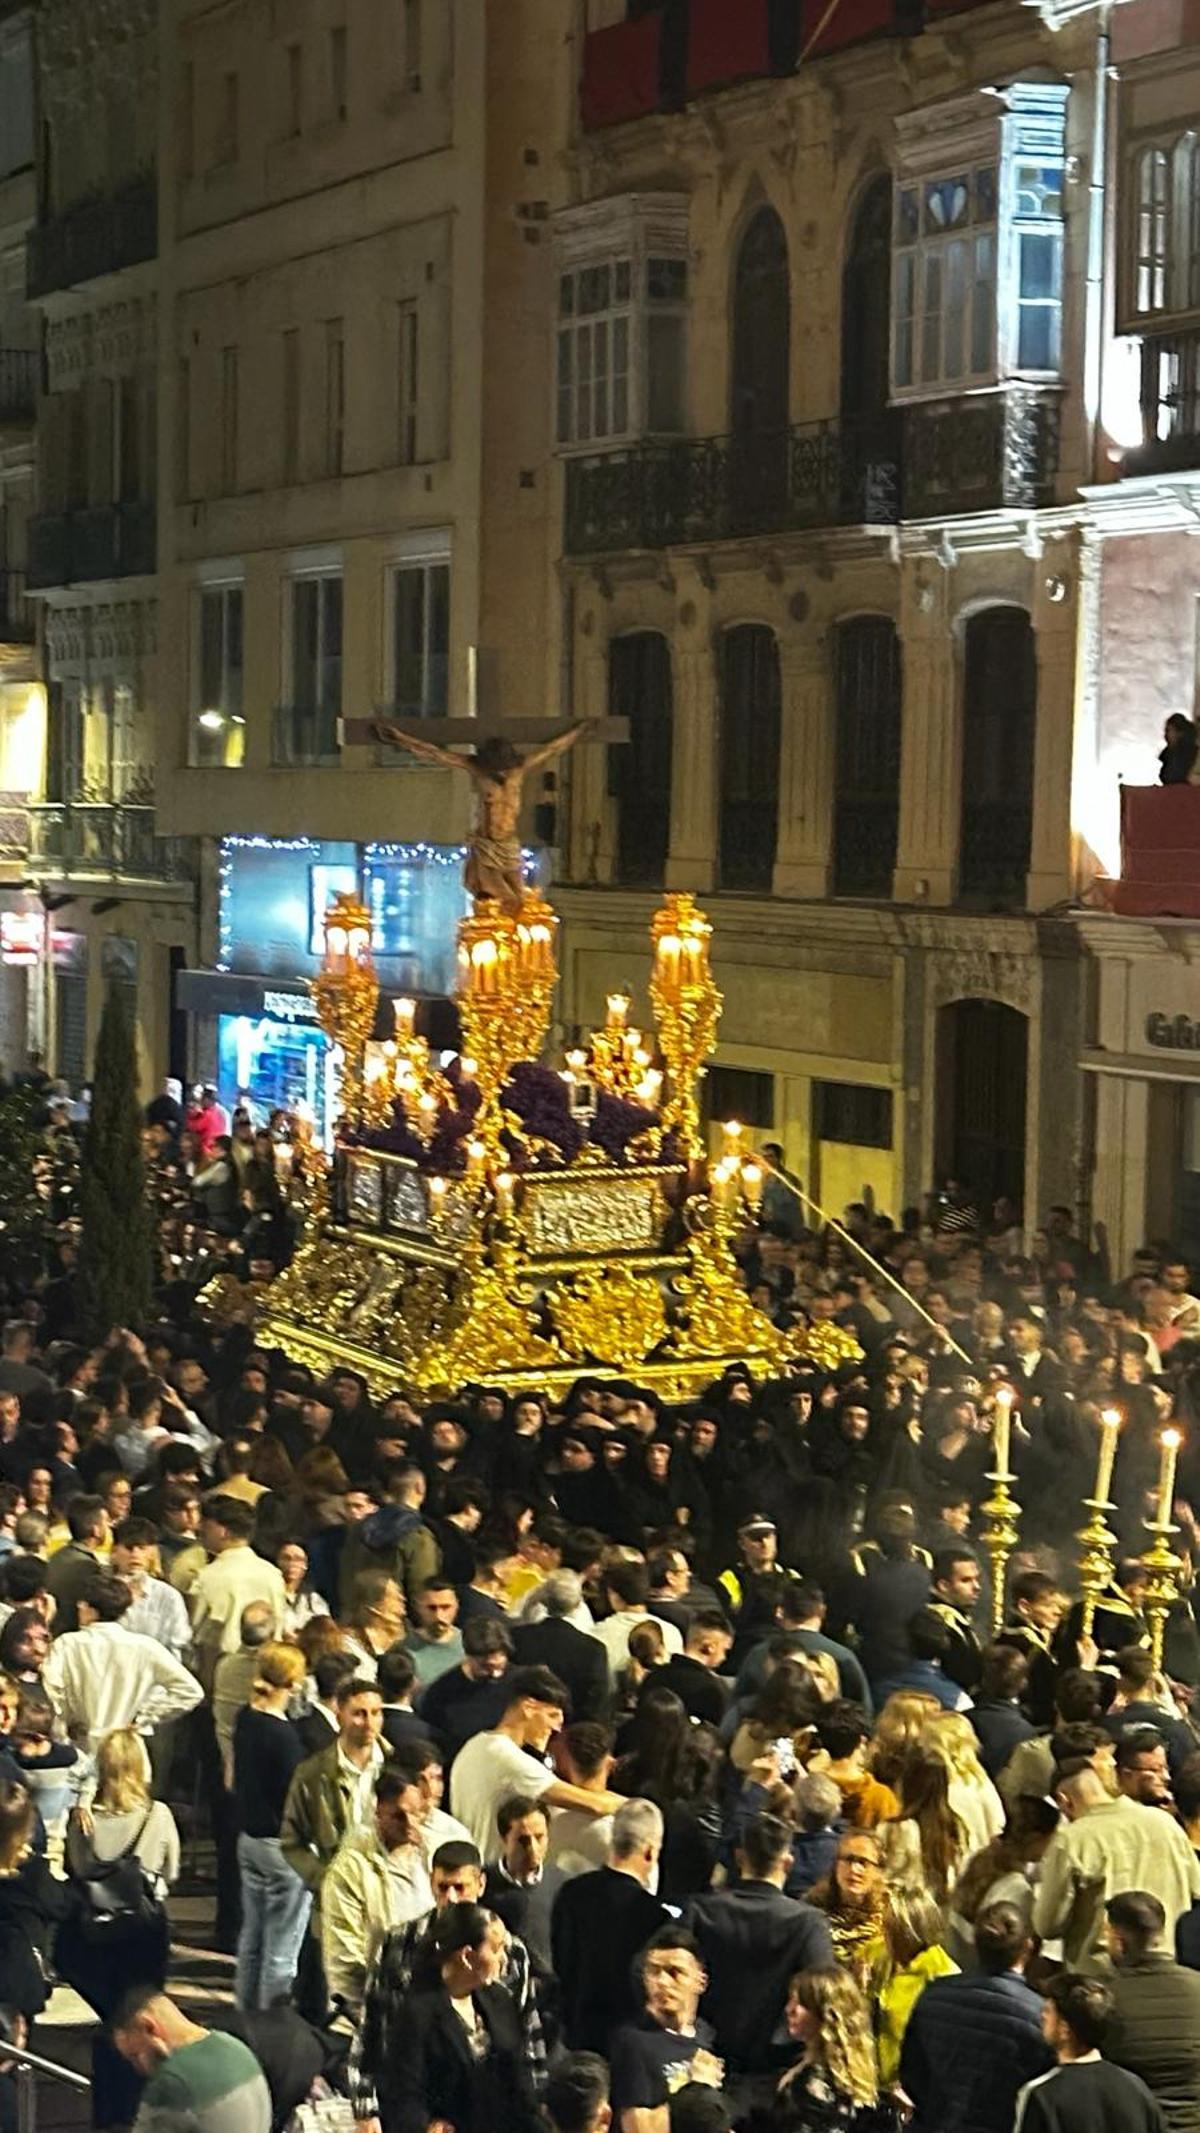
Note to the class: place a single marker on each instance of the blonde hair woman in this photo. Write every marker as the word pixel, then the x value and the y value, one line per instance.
pixel 929 1846
pixel 898 1728
pixel 973 1796
pixel 267 1749
pixel 913 1930
pixel 125 1820
pixel 834 2084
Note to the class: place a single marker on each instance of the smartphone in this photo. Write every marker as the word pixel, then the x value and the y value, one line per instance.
pixel 785 1755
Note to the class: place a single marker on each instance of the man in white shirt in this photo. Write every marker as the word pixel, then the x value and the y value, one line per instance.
pixel 580 1842
pixel 229 1583
pixel 157 1610
pixel 507 1762
pixel 103 1676
pixel 627 1586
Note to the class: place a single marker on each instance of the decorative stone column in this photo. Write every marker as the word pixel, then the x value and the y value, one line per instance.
pixel 1055 614
pixel 806 771
pixel 931 738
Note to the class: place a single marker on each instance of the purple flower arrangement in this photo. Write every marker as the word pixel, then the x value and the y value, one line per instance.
pixel 539 1099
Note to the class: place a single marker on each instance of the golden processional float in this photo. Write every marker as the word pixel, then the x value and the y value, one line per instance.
pixel 493 1218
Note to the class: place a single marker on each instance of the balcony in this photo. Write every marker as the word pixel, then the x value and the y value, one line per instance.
pixel 727 488
pixel 18 622
pixel 981 453
pixel 20 375
pixel 1170 396
pixel 994 854
pixel 101 237
pixel 1160 853
pixel 105 838
pixel 83 547
pixel 305 737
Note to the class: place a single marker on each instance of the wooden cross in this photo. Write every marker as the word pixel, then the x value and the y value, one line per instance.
pixel 470 732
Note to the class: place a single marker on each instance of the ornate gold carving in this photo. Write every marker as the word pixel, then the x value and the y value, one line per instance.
pixel 610 1315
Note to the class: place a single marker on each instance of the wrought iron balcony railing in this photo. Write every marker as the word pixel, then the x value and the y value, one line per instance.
pixel 994 852
pixel 18 624
pixel 865 831
pixel 20 373
pixel 305 737
pixel 981 452
pixel 111 839
pixel 100 237
pixel 81 547
pixel 726 488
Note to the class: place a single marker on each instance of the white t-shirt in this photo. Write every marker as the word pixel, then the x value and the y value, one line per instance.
pixel 488 1771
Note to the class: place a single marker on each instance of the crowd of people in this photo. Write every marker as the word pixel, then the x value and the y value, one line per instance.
pixel 597 1760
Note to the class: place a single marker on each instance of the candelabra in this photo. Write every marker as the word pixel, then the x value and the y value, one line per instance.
pixel 687 1010
pixel 1164 1568
pixel 507 974
pixel 1001 1527
pixel 619 1061
pixel 1097 1541
pixel 346 991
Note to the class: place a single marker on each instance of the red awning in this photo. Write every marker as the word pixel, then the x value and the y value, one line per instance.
pixel 829 25
pixel 726 42
pixel 621 72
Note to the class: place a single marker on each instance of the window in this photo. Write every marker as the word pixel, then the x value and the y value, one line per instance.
pixel 421 639
pixel 867 743
pixel 413 39
pixel 289 406
pixel 219 728
pixel 229 421
pixel 407 382
pixel 294 115
pixel 227 131
pixel 639 769
pixel 738 1092
pixel 17 99
pixel 999 737
pixel 622 323
pixel 307 731
pixel 977 243
pixel 848 1111
pixel 944 330
pixel 335 394
pixel 749 776
pixel 1150 279
pixel 1165 238
pixel 338 55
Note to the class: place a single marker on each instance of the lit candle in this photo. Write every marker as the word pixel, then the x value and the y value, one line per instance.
pixel 505 1189
pixel 405 1011
pixel 752 1184
pixel 618 1005
pixel 1002 1432
pixel 722 1176
pixel 1110 1430
pixel 733 1133
pixel 577 1061
pixel 667 958
pixel 1170 1442
pixel 650 1086
pixel 476 1154
pixel 466 1068
pixel 693 956
pixel 542 955
pixel 437 1198
pixel 484 958
pixel 427 1107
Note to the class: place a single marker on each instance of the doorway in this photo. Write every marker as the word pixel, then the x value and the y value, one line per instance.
pixel 982 1072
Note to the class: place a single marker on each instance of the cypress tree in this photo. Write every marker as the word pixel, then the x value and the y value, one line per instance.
pixel 116 1246
pixel 22 1209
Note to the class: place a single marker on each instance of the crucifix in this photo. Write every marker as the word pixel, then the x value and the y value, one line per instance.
pixel 497 768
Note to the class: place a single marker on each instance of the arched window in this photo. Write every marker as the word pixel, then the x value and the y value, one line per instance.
pixel 867 756
pixel 866 306
pixel 999 725
pixel 979 1113
pixel 762 306
pixel 1152 191
pixel 749 756
pixel 639 770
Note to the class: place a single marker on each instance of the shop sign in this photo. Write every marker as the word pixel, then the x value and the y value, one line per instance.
pixel 1173 1033
pixel 290 1006
pixel 22 936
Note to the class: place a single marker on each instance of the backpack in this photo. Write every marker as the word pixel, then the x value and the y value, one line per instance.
pixel 119 1888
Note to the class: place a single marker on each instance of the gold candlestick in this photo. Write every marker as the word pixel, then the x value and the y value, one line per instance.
pixel 687 1009
pixel 1002 1524
pixel 346 992
pixel 1096 1539
pixel 1163 1572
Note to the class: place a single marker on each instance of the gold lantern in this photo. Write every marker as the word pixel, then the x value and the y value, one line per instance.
pixel 687 1009
pixel 346 992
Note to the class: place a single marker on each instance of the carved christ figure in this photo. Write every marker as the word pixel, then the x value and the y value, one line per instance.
pixel 498 772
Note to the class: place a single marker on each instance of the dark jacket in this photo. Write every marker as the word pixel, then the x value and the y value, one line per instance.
pixel 68 1575
pixel 396 1539
pixel 435 2077
pixel 1155 2032
pixel 578 1660
pixel 599 1923
pixel 702 1693
pixel 971 2043
pixel 754 1932
pixel 526 1908
pixel 1093 2097
pixel 999 1728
